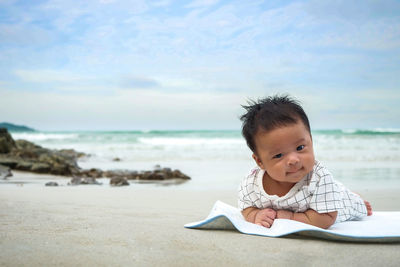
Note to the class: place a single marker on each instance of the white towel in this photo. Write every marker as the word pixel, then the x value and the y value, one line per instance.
pixel 380 227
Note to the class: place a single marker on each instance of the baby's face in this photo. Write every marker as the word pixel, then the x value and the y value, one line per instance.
pixel 285 153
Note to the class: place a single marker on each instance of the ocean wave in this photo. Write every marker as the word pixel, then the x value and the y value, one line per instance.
pixel 40 137
pixel 182 141
pixel 344 132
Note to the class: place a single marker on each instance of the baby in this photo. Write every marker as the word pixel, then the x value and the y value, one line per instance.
pixel 288 182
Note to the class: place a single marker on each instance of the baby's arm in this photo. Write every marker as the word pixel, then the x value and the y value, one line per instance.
pixel 322 220
pixel 262 217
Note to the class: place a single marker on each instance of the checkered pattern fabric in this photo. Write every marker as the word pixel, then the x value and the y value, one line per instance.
pixel 317 190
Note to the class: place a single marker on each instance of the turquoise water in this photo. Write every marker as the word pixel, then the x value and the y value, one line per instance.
pixel 219 159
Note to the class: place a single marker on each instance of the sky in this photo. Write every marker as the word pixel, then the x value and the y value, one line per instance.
pixel 147 65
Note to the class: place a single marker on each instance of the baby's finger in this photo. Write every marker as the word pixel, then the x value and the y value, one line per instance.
pixel 272 213
pixel 265 224
pixel 269 220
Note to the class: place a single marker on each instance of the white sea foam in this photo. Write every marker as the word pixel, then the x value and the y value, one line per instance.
pixel 44 136
pixel 214 145
pixel 371 131
pixel 386 130
pixel 182 141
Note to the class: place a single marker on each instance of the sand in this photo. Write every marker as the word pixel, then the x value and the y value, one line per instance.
pixel 143 225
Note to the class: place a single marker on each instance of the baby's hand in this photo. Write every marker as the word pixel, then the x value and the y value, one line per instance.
pixel 284 214
pixel 265 217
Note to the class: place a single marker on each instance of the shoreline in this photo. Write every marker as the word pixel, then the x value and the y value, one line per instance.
pixel 135 225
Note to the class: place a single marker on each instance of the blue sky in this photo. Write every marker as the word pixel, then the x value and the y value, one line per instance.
pixel 92 65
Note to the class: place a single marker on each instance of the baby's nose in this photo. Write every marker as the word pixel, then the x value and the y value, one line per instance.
pixel 293 159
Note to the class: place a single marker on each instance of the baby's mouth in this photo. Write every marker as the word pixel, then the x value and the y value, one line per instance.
pixel 294 171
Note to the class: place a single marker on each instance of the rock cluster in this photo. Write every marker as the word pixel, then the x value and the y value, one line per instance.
pixel 83 180
pixel 118 181
pixel 51 184
pixel 26 156
pixel 156 174
pixel 121 177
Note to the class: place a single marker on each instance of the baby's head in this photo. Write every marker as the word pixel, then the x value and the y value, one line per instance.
pixel 271 113
pixel 278 132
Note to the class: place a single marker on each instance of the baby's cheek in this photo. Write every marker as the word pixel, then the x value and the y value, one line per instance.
pixel 278 172
pixel 310 163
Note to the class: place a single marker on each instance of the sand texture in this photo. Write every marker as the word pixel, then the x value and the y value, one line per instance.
pixel 143 226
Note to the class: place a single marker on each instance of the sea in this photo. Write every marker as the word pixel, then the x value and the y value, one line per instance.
pixel 218 160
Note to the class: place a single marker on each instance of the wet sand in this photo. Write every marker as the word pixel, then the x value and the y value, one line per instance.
pixel 135 225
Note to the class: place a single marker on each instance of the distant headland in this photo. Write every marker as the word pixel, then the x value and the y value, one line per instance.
pixel 16 128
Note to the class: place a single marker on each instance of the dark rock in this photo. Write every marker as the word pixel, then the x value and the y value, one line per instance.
pixel 116 159
pixel 51 184
pixel 26 146
pixel 179 174
pixel 94 173
pixel 156 176
pixel 72 153
pixel 5 172
pixel 40 168
pixel 133 175
pixel 121 174
pixel 24 165
pixel 118 181
pixel 7 143
pixel 9 162
pixel 26 156
pixel 159 174
pixel 84 180
pixel 115 173
pixel 166 170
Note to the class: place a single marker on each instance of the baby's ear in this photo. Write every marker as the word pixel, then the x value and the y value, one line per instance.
pixel 258 161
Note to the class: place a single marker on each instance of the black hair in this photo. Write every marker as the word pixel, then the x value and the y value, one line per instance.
pixel 270 113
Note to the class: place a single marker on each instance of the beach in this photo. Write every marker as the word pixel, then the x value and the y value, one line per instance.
pixel 143 225
pixel 123 121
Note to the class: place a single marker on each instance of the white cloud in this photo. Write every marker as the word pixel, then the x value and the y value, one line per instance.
pixel 388 95
pixel 46 76
pixel 139 109
pixel 139 82
pixel 162 3
pixel 201 3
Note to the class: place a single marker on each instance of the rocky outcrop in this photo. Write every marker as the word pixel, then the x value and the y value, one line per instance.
pixel 118 181
pixel 26 156
pixel 6 142
pixel 92 173
pixel 156 174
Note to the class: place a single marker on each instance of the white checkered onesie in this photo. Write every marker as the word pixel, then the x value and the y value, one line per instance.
pixel 317 190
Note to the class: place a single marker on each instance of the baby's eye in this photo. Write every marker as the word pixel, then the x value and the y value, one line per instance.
pixel 277 156
pixel 300 148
